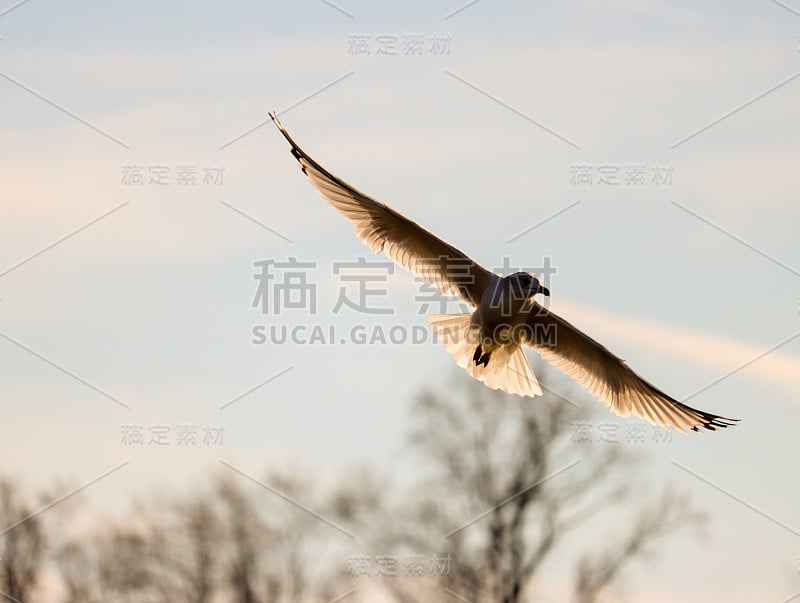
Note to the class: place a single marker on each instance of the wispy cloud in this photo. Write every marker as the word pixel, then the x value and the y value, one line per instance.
pixel 719 353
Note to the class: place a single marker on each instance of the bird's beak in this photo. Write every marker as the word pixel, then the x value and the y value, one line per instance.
pixel 544 291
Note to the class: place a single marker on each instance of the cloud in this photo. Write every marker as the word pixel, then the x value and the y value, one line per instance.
pixel 715 352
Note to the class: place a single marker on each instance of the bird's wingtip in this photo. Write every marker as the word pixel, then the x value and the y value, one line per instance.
pixel 274 117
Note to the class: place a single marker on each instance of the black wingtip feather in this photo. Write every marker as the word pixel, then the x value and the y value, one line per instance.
pixel 709 421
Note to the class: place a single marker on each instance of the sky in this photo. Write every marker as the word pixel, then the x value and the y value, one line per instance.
pixel 646 150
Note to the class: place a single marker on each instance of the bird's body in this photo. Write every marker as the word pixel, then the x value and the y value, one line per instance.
pixel 502 313
pixel 488 342
pixel 507 302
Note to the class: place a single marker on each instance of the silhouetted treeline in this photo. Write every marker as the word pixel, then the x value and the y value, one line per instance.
pixel 500 488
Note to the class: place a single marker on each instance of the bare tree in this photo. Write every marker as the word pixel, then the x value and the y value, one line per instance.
pixel 164 551
pixel 504 487
pixel 223 544
pixel 277 552
pixel 182 542
pixel 246 532
pixel 114 564
pixel 598 570
pixel 22 543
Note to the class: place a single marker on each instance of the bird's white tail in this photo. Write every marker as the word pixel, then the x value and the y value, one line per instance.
pixel 508 368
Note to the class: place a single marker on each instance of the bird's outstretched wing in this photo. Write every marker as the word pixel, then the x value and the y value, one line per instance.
pixel 608 377
pixel 404 241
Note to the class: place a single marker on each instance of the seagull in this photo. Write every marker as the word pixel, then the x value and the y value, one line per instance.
pixel 489 342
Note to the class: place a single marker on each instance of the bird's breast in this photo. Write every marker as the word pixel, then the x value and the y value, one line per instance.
pixel 498 314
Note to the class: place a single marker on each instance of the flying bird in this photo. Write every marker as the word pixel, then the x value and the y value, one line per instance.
pixel 489 342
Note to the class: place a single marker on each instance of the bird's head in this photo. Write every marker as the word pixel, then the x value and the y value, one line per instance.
pixel 526 285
